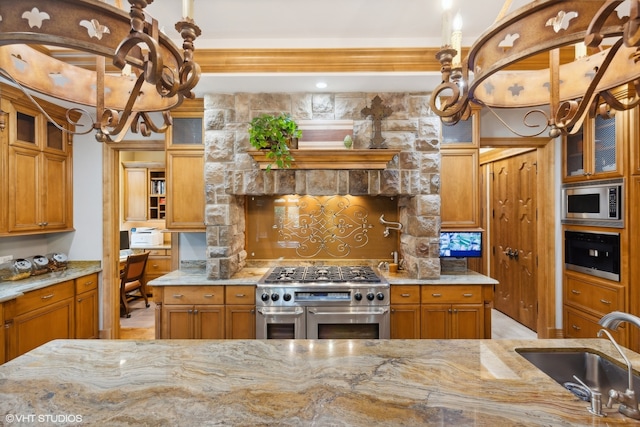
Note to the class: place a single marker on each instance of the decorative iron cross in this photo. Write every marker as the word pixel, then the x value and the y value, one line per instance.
pixel 378 111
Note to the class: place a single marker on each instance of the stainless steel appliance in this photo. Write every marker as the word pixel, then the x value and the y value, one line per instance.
pixel 597 254
pixel 322 302
pixel 594 203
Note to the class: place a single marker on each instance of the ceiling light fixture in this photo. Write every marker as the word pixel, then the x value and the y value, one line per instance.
pixel 573 91
pixel 162 75
pixel 321 85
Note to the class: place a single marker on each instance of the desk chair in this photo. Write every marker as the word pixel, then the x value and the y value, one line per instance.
pixel 131 280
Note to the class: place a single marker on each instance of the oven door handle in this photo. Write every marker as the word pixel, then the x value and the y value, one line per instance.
pixel 266 311
pixel 374 312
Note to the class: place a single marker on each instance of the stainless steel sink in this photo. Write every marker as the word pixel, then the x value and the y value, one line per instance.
pixel 595 370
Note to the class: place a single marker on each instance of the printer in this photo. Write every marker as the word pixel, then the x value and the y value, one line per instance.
pixel 146 236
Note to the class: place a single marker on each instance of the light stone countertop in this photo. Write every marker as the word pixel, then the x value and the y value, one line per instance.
pixel 295 382
pixel 250 276
pixel 12 289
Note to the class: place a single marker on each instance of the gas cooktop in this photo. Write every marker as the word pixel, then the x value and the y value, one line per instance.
pixel 321 274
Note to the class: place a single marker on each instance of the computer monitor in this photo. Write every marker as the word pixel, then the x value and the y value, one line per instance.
pixel 458 244
pixel 124 239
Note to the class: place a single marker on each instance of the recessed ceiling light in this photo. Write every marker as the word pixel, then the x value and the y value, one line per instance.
pixel 321 85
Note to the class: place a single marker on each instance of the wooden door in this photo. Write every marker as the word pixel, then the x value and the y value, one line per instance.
pixel 209 322
pixel 135 195
pixel 87 315
pixel 405 321
pixel 436 321
pixel 56 189
pixel 177 322
pixel 240 322
pixel 467 321
pixel 514 225
pixel 24 193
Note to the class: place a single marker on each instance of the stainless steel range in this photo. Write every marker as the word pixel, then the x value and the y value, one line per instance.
pixel 322 302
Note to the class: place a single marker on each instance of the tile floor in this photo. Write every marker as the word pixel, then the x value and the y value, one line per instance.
pixel 141 324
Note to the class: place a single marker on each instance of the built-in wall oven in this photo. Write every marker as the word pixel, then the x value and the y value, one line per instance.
pixel 322 303
pixel 597 254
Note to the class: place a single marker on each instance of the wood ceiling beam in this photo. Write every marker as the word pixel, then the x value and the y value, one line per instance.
pixel 317 60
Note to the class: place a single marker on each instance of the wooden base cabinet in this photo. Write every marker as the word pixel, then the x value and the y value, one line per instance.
pixel 240 313
pixel 86 307
pixel 191 312
pixel 405 311
pixel 40 316
pixel 208 312
pixel 456 311
pixel 2 336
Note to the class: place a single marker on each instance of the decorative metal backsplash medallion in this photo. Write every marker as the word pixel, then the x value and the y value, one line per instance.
pixel 319 227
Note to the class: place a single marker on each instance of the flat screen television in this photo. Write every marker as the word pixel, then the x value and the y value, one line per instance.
pixel 458 244
pixel 124 239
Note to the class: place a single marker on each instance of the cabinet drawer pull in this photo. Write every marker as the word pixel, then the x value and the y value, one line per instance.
pixel 208 295
pixel 467 295
pixel 576 327
pixel 436 295
pixel 405 295
pixel 604 301
pixel 178 295
pixel 46 296
pixel 240 295
pixel 89 283
pixel 575 292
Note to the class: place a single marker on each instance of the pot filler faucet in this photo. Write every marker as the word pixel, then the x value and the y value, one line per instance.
pixel 627 399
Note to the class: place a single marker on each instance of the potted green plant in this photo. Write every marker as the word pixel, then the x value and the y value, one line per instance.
pixel 277 134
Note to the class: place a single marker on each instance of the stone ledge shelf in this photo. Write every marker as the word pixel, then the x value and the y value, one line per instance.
pixel 332 159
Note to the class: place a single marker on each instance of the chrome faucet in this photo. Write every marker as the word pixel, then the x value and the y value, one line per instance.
pixel 627 399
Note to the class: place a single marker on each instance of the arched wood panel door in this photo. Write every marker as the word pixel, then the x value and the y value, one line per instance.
pixel 514 227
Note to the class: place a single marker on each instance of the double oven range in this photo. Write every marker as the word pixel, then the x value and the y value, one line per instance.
pixel 322 302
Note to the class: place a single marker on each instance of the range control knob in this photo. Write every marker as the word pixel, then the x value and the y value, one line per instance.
pixel 275 297
pixel 358 296
pixel 286 297
pixel 265 297
pixel 380 296
pixel 370 296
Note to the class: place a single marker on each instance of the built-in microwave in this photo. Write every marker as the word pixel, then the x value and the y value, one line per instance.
pixel 594 203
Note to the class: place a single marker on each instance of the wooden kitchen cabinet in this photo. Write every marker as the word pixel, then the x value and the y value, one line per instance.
pixel 144 191
pixel 37 177
pixel 40 316
pixel 158 264
pixel 596 151
pixel 185 201
pixel 191 312
pixel 240 315
pixel 405 312
pixel 86 307
pixel 588 298
pixel 460 188
pixel 3 350
pixel 452 311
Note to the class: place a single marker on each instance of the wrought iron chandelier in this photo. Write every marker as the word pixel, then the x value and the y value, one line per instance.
pixel 573 91
pixel 156 75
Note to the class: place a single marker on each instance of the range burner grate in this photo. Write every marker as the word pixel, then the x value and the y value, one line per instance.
pixel 322 274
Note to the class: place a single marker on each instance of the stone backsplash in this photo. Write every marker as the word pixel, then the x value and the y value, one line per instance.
pixel 413 175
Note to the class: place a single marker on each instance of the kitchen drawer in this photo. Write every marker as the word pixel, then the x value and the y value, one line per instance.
pixel 159 252
pixel 405 294
pixel 42 297
pixel 451 294
pixel 578 324
pixel 87 283
pixel 240 294
pixel 158 265
pixel 193 295
pixel 597 297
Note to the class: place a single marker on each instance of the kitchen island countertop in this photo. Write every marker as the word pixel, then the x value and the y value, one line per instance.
pixel 251 275
pixel 287 382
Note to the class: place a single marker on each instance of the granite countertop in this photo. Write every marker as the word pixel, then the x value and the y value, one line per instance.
pixel 12 289
pixel 295 382
pixel 250 276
